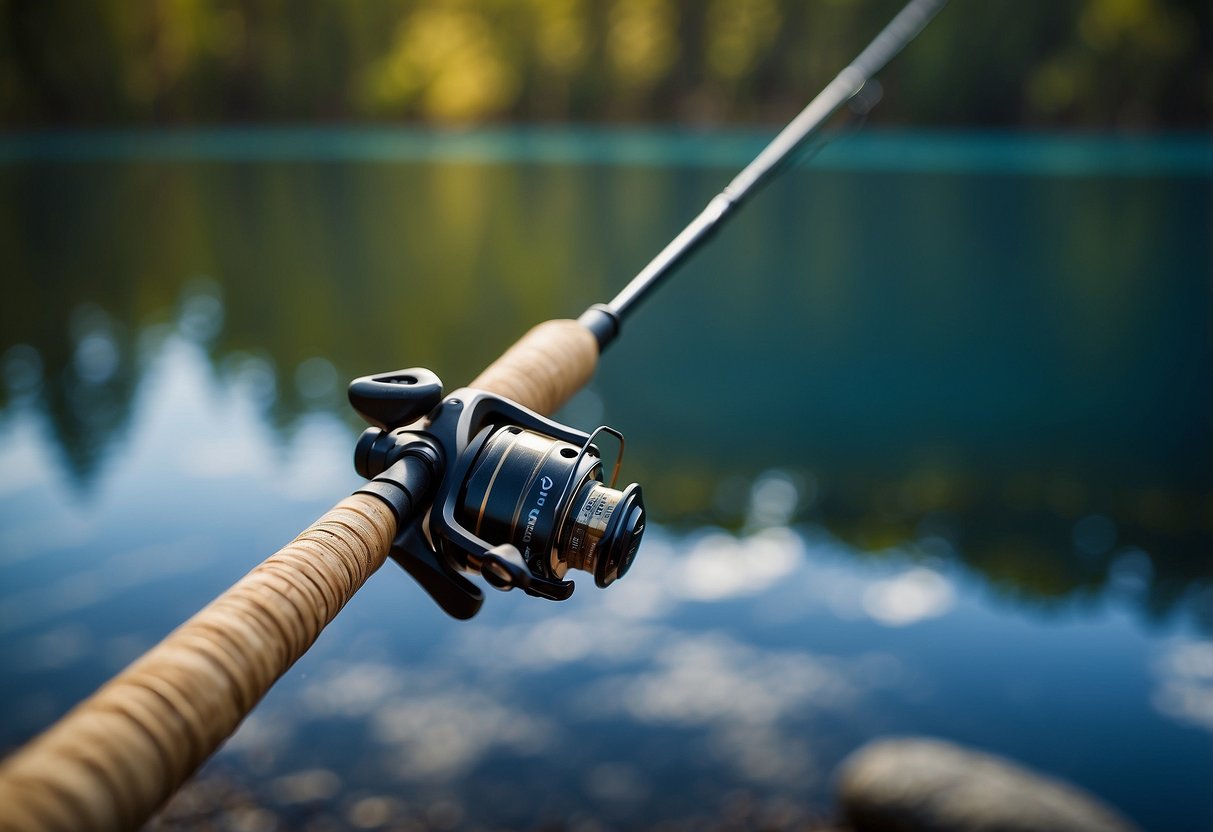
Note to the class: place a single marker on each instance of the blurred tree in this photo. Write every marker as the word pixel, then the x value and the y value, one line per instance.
pixel 1087 63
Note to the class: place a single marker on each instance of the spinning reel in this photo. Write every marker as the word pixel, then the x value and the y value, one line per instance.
pixel 517 497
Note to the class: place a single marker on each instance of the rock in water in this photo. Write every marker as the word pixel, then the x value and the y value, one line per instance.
pixel 906 785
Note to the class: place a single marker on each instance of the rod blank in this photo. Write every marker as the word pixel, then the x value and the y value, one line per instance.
pixel 892 39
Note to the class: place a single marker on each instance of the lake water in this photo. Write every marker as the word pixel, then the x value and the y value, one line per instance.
pixel 925 436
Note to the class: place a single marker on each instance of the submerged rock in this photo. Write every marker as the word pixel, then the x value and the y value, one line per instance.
pixel 906 785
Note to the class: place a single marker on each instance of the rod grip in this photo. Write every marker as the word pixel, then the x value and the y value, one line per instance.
pixel 112 760
pixel 116 757
pixel 545 367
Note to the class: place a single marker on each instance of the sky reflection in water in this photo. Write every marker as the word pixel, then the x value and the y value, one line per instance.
pixel 777 618
pixel 727 662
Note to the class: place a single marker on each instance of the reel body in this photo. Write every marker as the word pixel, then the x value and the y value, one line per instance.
pixel 517 497
pixel 563 516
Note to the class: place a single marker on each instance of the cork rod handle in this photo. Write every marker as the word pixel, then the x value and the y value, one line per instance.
pixel 112 760
pixel 544 368
pixel 117 756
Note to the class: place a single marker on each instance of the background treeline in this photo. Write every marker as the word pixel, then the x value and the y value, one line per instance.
pixel 1067 63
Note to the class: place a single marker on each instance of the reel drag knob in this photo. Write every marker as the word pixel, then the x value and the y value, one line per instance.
pixel 605 532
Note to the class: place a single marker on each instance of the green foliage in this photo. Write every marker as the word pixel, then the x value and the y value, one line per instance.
pixel 1094 63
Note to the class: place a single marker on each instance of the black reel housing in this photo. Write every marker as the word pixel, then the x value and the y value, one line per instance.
pixel 562 516
pixel 517 497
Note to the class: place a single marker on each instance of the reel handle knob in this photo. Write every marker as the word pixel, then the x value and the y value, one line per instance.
pixel 392 400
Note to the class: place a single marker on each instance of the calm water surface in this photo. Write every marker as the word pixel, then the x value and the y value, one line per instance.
pixel 926 436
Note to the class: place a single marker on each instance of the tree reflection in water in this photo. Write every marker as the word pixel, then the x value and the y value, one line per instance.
pixel 1006 369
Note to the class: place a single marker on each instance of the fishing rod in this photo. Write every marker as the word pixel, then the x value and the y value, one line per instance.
pixel 532 484
pixel 479 480
pixel 605 319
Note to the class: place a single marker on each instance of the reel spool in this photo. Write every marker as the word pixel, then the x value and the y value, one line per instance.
pixel 520 498
pixel 547 498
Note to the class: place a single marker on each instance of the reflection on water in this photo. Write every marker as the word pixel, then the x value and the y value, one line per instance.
pixel 928 453
pixel 1185 689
